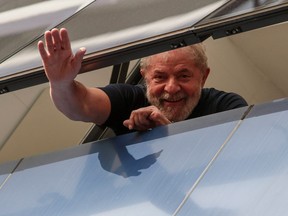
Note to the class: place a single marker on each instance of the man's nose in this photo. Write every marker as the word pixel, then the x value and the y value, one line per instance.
pixel 172 86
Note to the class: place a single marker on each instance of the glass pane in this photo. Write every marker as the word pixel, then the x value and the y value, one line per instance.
pixel 242 8
pixel 133 174
pixel 23 21
pixel 106 25
pixel 250 175
pixel 5 170
pixel 6 5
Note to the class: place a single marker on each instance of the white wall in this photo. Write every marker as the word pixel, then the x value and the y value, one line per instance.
pixel 232 70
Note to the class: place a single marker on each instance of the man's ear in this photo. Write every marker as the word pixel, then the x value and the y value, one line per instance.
pixel 142 73
pixel 205 76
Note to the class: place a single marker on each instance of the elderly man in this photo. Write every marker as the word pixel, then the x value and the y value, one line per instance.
pixel 173 89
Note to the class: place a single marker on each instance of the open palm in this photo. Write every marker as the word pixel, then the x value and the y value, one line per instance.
pixel 60 64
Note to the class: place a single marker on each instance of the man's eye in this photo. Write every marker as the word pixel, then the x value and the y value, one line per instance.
pixel 158 78
pixel 185 76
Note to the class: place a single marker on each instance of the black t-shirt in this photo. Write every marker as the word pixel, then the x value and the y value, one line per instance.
pixel 125 98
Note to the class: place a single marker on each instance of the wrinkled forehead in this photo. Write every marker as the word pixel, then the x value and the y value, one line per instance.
pixel 173 53
pixel 176 55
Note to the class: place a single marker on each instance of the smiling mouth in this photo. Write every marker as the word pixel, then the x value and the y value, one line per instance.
pixel 172 101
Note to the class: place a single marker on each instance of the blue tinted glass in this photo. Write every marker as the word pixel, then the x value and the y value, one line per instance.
pixel 134 174
pixel 5 170
pixel 250 175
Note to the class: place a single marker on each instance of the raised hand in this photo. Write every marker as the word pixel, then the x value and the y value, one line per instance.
pixel 146 118
pixel 60 64
pixel 71 97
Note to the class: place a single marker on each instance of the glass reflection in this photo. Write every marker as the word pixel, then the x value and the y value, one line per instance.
pixel 23 21
pixel 242 7
pixel 107 24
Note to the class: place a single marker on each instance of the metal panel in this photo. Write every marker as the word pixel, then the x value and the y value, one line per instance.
pixel 136 174
pixel 5 170
pixel 235 9
pixel 250 176
pixel 240 16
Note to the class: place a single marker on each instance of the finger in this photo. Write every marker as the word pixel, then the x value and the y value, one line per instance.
pixel 65 39
pixel 49 42
pixel 141 123
pixel 129 124
pixel 56 39
pixel 159 118
pixel 142 120
pixel 134 123
pixel 77 61
pixel 126 123
pixel 42 51
pixel 80 54
pixel 131 120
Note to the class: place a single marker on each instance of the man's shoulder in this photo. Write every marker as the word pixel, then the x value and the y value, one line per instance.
pixel 215 95
pixel 213 100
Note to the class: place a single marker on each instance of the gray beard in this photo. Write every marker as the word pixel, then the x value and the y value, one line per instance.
pixel 171 113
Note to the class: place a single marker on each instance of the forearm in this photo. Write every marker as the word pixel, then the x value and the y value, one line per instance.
pixel 80 103
pixel 69 99
pixel 61 68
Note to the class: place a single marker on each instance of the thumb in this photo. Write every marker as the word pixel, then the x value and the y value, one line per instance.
pixel 159 118
pixel 79 55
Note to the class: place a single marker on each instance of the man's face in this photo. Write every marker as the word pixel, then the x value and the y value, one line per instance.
pixel 174 84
